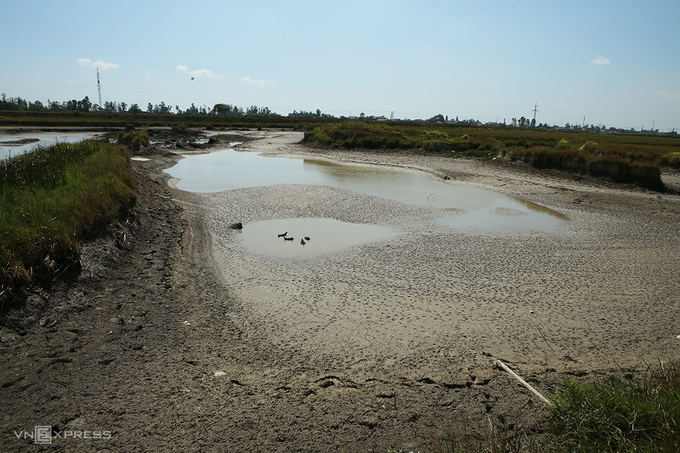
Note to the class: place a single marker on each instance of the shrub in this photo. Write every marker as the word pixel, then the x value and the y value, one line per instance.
pixel 133 139
pixel 435 135
pixel 50 199
pixel 590 147
pixel 619 415
pixel 563 144
pixel 671 159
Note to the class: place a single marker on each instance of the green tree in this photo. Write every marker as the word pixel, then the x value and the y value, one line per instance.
pixel 36 106
pixel 86 105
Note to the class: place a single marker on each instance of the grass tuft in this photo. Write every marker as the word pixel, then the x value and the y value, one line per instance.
pixel 133 139
pixel 672 160
pixel 50 199
pixel 639 413
pixel 620 415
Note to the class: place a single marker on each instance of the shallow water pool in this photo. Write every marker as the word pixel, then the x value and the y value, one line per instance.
pixel 472 209
pixel 308 237
pixel 9 142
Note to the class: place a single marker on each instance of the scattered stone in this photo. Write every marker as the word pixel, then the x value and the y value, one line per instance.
pixel 48 322
pixel 7 338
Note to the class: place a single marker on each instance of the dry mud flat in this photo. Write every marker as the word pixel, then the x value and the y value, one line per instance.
pixel 604 291
pixel 178 339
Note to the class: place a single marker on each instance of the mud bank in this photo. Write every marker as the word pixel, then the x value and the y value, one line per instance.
pixel 179 339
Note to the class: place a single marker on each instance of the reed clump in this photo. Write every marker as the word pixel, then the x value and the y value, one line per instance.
pixel 52 198
pixel 636 413
pixel 671 160
pixel 641 413
pixel 133 139
pixel 622 158
pixel 620 163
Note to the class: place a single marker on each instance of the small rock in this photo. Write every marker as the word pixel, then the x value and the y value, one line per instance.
pixel 48 322
pixel 7 338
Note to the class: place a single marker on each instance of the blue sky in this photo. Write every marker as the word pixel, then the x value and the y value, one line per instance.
pixel 616 63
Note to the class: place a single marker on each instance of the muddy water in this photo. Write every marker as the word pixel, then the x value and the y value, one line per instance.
pixel 308 237
pixel 462 208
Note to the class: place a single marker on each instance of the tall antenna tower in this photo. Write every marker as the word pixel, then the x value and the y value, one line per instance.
pixel 99 88
pixel 535 110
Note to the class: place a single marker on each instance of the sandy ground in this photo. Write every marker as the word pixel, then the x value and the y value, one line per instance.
pixel 176 338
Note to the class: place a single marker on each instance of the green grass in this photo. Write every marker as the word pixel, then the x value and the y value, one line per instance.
pixel 622 158
pixel 52 198
pixel 640 413
pixel 133 139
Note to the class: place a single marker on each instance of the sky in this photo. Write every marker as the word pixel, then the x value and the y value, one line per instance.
pixel 611 63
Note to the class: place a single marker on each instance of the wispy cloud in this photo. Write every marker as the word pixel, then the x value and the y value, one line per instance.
pixel 196 73
pixel 600 60
pixel 669 95
pixel 249 80
pixel 97 64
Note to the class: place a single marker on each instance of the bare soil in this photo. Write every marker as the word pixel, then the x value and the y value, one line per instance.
pixel 174 339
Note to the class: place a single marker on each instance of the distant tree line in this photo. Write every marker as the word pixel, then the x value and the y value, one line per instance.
pixel 221 109
pixel 85 105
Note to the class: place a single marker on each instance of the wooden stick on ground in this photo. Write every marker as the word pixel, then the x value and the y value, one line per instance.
pixel 523 382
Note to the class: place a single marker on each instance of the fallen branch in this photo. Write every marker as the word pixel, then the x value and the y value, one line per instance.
pixel 523 382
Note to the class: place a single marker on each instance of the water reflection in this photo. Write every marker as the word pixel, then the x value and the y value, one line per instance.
pixel 320 236
pixel 9 143
pixel 476 209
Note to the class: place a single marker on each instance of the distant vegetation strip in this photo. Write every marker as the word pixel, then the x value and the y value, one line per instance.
pixel 50 199
pixel 628 158
pixel 622 158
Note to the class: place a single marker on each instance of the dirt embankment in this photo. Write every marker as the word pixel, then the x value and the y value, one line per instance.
pixel 161 345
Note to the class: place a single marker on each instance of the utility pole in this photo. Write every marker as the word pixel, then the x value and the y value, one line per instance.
pixel 535 110
pixel 99 88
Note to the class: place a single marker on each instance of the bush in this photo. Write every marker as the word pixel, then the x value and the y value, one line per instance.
pixel 563 144
pixel 619 415
pixel 133 139
pixel 671 159
pixel 435 135
pixel 50 199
